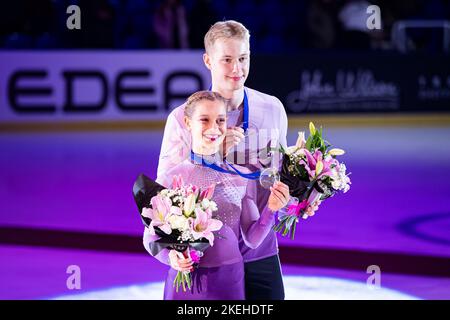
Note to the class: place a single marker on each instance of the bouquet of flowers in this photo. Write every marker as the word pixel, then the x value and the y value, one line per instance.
pixel 312 172
pixel 182 217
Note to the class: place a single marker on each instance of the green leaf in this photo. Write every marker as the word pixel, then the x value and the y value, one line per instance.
pixel 176 282
pixel 308 143
pixel 285 231
pixel 293 230
pixel 188 280
pixel 282 150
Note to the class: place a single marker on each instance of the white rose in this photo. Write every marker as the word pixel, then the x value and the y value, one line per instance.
pixel 212 206
pixel 335 184
pixel 178 222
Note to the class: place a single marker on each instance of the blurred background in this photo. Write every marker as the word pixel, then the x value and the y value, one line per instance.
pixel 82 113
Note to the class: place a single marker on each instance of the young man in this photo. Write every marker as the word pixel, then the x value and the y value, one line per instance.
pixel 227 56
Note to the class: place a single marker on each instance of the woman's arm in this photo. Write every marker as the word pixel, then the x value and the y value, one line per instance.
pixel 169 257
pixel 255 226
pixel 149 242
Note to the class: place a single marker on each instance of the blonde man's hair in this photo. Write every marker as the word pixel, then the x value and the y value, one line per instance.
pixel 195 98
pixel 228 29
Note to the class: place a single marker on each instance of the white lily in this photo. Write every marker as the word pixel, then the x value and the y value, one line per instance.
pixel 301 140
pixel 189 205
pixel 336 152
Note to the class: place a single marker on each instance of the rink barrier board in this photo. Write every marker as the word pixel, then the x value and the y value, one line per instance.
pixel 337 121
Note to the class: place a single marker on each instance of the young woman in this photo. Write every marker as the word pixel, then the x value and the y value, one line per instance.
pixel 220 274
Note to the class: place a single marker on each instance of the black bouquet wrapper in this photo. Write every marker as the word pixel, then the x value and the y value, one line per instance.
pixel 298 187
pixel 144 189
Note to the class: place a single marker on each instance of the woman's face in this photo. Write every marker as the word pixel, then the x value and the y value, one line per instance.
pixel 208 126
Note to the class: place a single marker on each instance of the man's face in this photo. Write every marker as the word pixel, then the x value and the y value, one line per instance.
pixel 229 62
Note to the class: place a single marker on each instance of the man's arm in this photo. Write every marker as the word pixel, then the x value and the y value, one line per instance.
pixel 174 149
pixel 281 135
pixel 283 125
pixel 175 146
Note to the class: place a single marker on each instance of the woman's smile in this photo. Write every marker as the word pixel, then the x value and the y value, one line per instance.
pixel 211 137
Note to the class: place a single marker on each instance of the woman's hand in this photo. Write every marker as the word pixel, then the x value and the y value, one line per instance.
pixel 179 262
pixel 232 138
pixel 279 196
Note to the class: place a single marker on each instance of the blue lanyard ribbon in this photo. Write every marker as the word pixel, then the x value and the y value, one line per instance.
pixel 201 160
pixel 246 112
pixel 245 120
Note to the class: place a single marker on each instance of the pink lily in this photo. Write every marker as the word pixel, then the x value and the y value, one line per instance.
pixel 208 213
pixel 195 190
pixel 159 213
pixel 313 159
pixel 208 192
pixel 202 226
pixel 328 163
pixel 177 182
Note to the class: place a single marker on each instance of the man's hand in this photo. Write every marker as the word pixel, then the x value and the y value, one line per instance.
pixel 312 208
